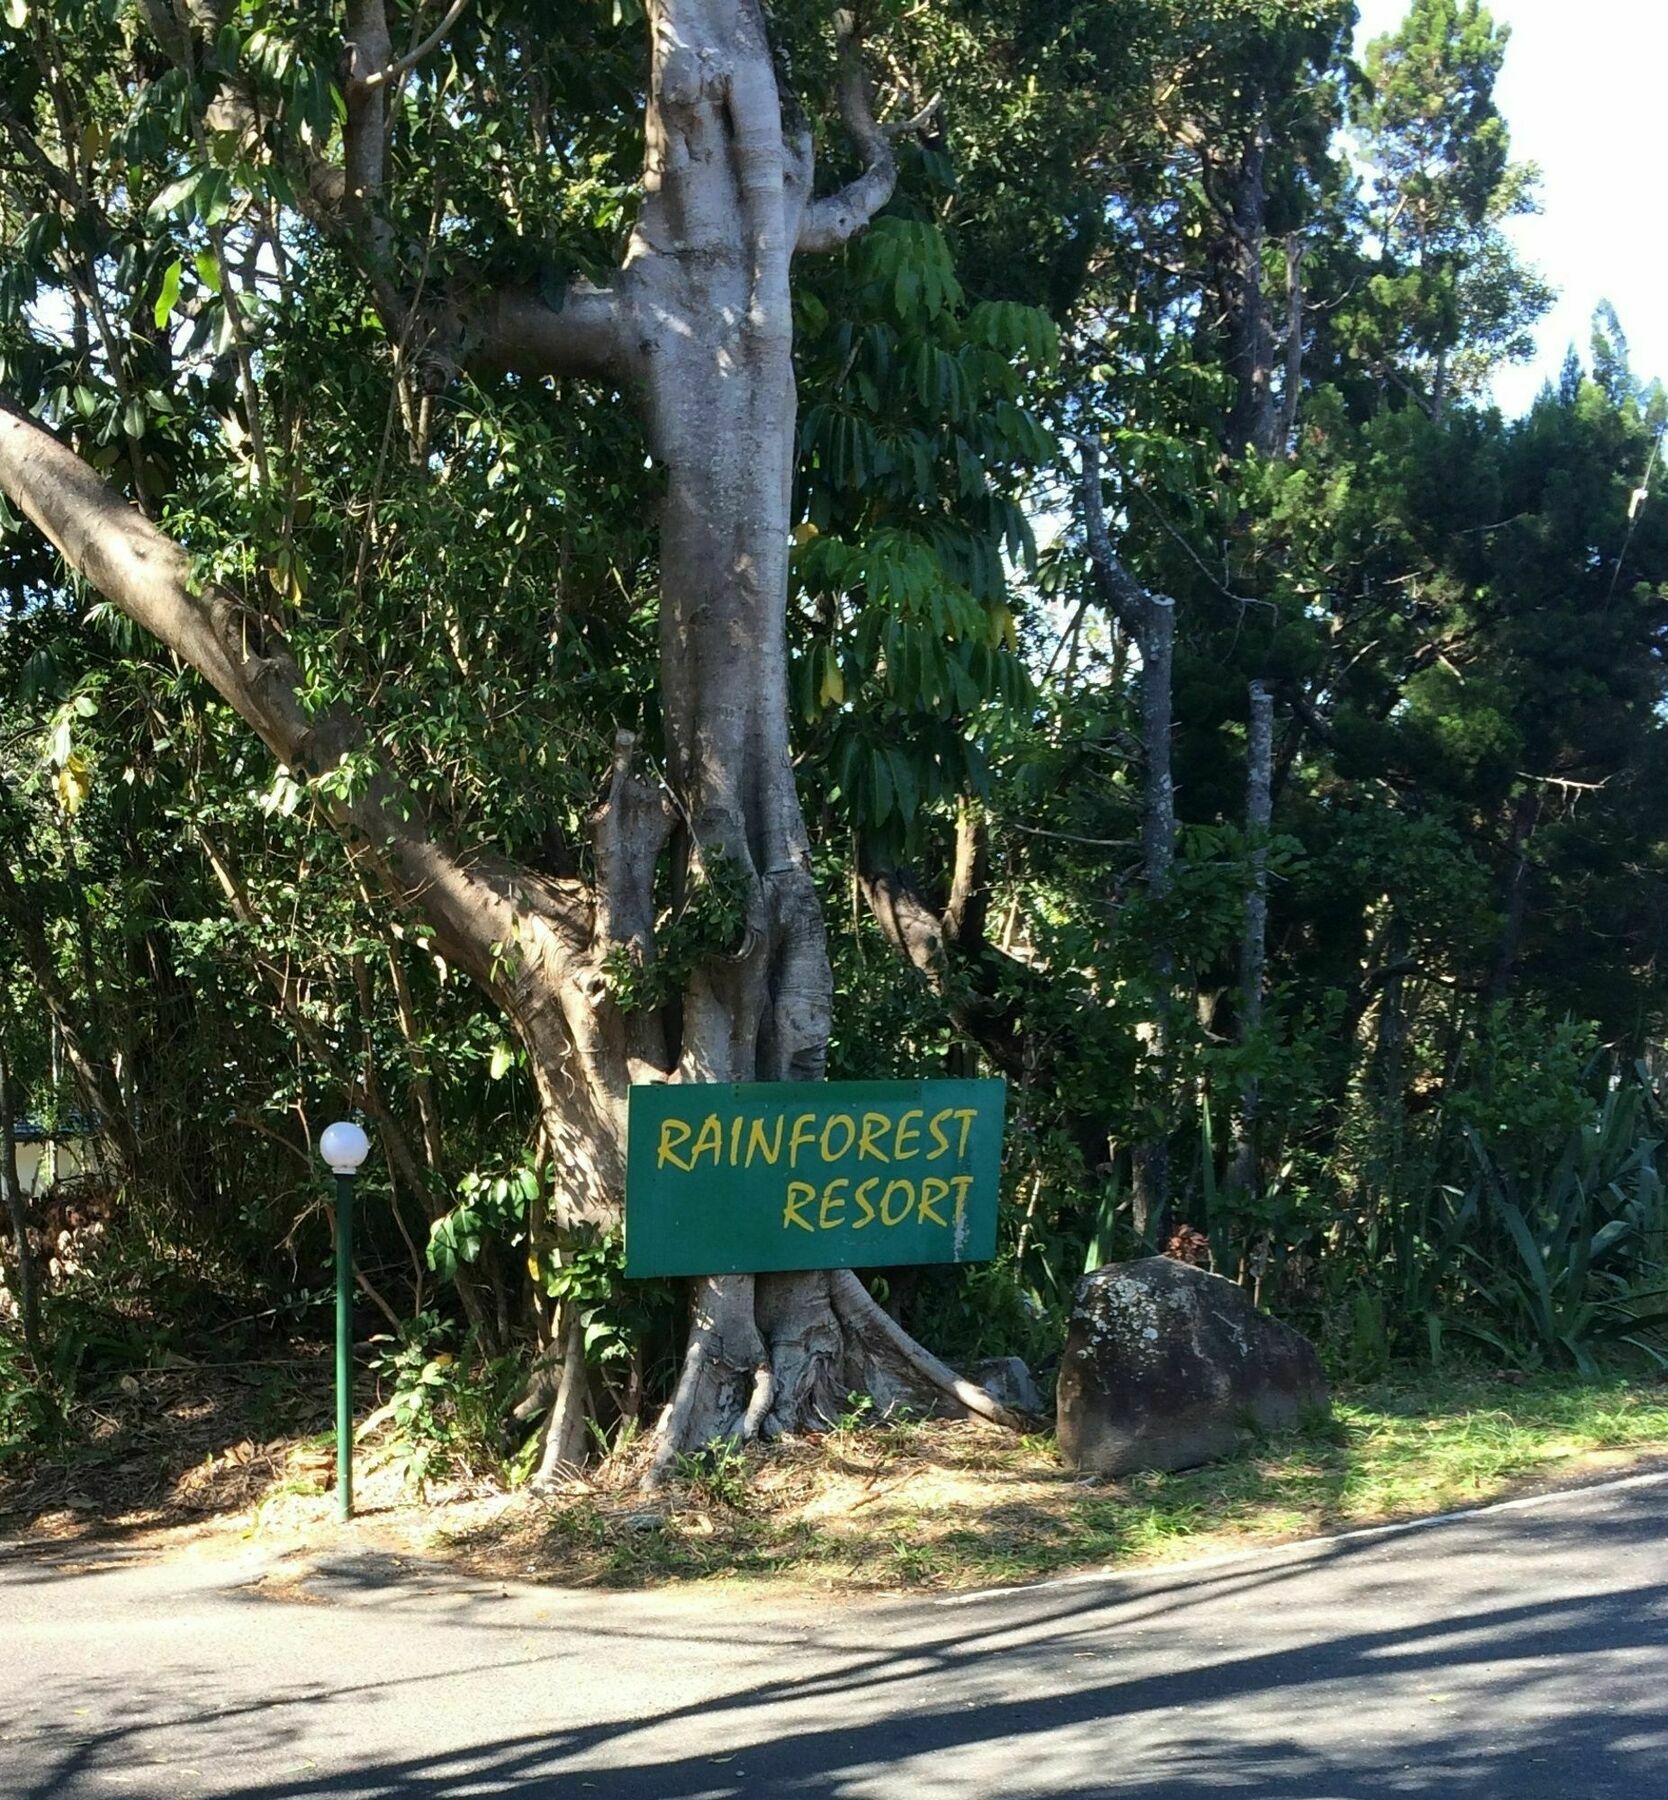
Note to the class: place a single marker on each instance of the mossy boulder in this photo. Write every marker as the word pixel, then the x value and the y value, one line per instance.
pixel 1166 1366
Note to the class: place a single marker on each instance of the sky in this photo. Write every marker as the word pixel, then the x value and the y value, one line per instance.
pixel 1583 91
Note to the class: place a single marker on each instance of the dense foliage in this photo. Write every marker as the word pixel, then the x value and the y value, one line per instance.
pixel 1270 284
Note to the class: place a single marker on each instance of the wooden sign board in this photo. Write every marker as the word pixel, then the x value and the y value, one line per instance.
pixel 742 1178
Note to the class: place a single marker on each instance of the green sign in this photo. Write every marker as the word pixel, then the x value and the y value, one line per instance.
pixel 739 1178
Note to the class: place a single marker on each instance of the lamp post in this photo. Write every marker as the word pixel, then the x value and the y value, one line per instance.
pixel 344 1147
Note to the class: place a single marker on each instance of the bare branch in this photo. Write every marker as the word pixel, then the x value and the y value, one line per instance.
pixel 24 138
pixel 966 910
pixel 1292 393
pixel 830 222
pixel 899 128
pixel 1121 591
pixel 405 64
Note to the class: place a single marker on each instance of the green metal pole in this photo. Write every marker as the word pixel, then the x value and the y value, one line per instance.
pixel 344 1346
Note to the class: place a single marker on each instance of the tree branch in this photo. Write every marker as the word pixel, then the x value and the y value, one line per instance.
pixel 1292 393
pixel 56 179
pixel 969 902
pixel 1119 589
pixel 834 220
pixel 516 331
pixel 405 64
pixel 370 51
pixel 149 577
pixel 495 331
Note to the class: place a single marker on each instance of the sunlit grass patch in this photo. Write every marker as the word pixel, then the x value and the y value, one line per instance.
pixel 944 1505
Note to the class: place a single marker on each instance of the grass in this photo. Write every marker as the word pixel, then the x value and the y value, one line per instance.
pixel 953 1506
pixel 870 1506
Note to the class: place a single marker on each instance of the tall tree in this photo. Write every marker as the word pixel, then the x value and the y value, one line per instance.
pixel 694 329
pixel 1450 295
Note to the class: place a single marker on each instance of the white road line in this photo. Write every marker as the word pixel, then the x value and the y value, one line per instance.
pixel 1266 1552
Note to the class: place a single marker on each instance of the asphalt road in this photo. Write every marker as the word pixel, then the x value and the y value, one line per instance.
pixel 1522 1652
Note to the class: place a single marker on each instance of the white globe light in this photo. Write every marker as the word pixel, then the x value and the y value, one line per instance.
pixel 344 1146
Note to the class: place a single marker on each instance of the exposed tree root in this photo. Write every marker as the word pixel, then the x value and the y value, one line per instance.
pixel 869 1321
pixel 775 1354
pixel 557 1386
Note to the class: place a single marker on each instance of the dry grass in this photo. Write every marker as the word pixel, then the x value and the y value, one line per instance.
pixel 955 1505
pixel 882 1506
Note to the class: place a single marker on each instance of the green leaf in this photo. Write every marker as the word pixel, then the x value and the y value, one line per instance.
pixel 903 780
pixel 880 787
pixel 17 14
pixel 214 197
pixel 170 293
pixel 502 1057
pixel 175 194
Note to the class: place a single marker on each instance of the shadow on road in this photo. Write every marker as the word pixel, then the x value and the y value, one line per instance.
pixel 1036 1693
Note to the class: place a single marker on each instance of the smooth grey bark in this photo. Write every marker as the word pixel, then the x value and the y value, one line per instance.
pixel 696 329
pixel 566 1395
pixel 1259 810
pixel 1149 618
pixel 1291 391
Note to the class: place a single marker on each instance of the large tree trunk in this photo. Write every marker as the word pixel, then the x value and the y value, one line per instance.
pixel 706 287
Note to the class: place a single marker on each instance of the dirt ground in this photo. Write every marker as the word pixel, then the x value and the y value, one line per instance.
pixel 209 1459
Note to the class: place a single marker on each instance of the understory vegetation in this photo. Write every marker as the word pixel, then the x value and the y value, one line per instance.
pixel 1209 713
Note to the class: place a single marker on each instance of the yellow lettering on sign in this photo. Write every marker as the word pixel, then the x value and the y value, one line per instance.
pixel 932 1189
pixel 961 1183
pixel 850 1124
pixel 669 1143
pixel 710 1139
pixel 800 1195
pixel 907 1189
pixel 940 1143
pixel 864 1188
pixel 735 1141
pixel 804 1129
pixel 967 1115
pixel 875 1125
pixel 770 1148
pixel 827 1220
pixel 904 1151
